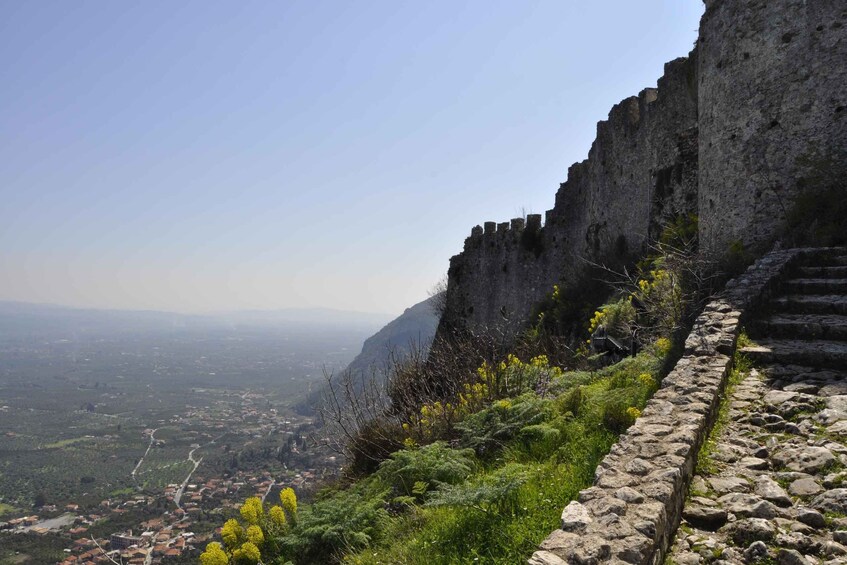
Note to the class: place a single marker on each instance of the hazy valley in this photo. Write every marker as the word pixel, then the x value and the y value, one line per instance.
pixel 104 415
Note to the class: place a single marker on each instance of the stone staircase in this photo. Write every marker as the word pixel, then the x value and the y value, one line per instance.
pixel 774 491
pixel 807 324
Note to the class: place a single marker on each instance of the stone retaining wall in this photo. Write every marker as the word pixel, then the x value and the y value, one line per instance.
pixel 634 507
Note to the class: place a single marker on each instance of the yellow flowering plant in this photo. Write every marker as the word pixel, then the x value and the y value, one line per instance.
pixel 257 538
pixel 491 382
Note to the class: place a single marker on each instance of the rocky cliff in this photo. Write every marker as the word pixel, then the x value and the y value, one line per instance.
pixel 720 137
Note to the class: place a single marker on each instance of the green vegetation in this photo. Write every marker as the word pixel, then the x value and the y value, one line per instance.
pixel 257 528
pixel 653 299
pixel 516 461
pixel 470 455
pixel 31 548
pixel 706 463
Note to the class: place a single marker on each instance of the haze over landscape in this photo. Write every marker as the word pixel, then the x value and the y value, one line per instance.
pixel 207 156
pixel 391 282
pixel 228 334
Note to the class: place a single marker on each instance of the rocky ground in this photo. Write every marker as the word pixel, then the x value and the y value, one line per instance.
pixel 772 484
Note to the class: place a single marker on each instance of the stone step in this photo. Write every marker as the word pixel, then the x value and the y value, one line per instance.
pixel 807 380
pixel 832 257
pixel 801 326
pixel 828 261
pixel 817 353
pixel 816 286
pixel 823 272
pixel 811 304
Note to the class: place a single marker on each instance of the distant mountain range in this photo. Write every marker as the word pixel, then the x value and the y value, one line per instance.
pixel 22 319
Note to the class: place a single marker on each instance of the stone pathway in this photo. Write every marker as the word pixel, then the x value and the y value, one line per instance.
pixel 775 487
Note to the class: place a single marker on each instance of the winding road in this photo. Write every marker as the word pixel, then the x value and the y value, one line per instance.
pixel 270 487
pixel 181 490
pixel 140 461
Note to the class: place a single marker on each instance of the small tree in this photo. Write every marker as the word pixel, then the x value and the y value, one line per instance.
pixel 438 296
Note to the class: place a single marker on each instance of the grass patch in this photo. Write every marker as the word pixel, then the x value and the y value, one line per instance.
pixel 555 458
pixel 486 487
pixel 123 492
pixel 67 442
pixel 741 366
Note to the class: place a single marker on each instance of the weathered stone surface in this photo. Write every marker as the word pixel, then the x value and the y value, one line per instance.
pixel 638 466
pixel 810 517
pixel 833 548
pixel 756 551
pixel 838 429
pixel 628 494
pixel 829 416
pixel 591 549
pixel 834 500
pixel 804 459
pixel 838 403
pixel 827 353
pixel 758 409
pixel 605 505
pixel 705 517
pixel 546 558
pixel 790 557
pixel 687 558
pixel 770 490
pixel 753 463
pixel 640 486
pixel 575 517
pixel 634 549
pixel 748 530
pixel 778 397
pixel 598 209
pixel 722 485
pixel 804 487
pixel 748 505
pixel 614 479
pixel 834 389
pixel 560 541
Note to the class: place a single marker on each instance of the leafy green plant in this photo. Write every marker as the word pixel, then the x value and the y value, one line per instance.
pixel 537 456
pixel 572 401
pixel 563 312
pixel 413 472
pixel 618 416
pixel 617 317
pixel 489 430
pixel 680 233
pixel 439 419
pixel 345 521
pixel 494 492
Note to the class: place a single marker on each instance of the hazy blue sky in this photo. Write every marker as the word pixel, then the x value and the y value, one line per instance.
pixel 215 155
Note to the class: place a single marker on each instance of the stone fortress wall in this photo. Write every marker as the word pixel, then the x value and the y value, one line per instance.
pixel 772 85
pixel 719 137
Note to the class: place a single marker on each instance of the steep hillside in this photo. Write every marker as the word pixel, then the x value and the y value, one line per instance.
pixel 414 328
